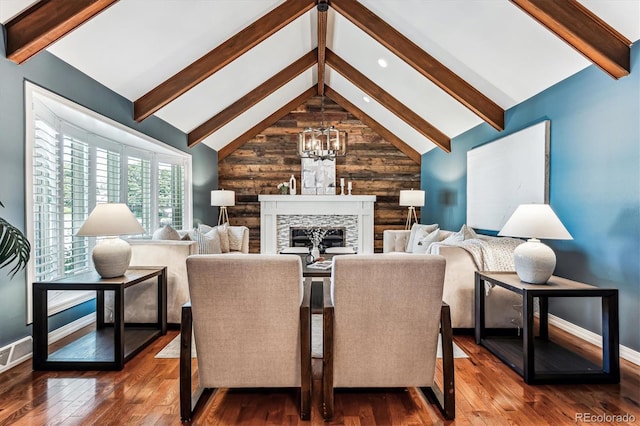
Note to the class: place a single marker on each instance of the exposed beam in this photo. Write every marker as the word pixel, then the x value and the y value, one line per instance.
pixel 246 136
pixel 219 57
pixel 424 63
pixel 584 31
pixel 388 101
pixel 46 22
pixel 251 98
pixel 377 127
pixel 323 7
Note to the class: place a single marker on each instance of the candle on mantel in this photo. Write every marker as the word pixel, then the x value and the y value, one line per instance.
pixel 349 185
pixel 341 181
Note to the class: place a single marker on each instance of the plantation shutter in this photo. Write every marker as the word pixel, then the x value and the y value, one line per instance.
pixel 171 195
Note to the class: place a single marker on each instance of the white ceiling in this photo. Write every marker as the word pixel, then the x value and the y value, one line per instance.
pixel 135 45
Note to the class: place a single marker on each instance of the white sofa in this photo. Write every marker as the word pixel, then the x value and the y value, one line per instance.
pixel 141 299
pixel 459 284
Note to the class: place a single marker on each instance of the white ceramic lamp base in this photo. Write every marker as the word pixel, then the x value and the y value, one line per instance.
pixel 534 261
pixel 111 257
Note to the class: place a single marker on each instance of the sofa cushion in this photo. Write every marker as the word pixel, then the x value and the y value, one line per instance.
pixel 208 243
pixel 166 233
pixel 414 229
pixel 223 232
pixel 465 233
pixel 423 240
pixel 235 234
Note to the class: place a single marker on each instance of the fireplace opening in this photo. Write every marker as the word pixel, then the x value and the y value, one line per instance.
pixel 335 238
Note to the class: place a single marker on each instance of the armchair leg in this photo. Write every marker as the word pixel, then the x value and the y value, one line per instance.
pixel 188 402
pixel 305 353
pixel 327 362
pixel 445 398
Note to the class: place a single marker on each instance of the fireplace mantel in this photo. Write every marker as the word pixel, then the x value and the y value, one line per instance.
pixel 358 206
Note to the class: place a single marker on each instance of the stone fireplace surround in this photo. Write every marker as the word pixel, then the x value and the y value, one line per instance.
pixel 280 212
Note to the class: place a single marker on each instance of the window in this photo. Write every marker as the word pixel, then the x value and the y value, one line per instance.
pixel 77 159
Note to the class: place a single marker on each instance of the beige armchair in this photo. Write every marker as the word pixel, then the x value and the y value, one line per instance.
pixel 251 322
pixel 382 315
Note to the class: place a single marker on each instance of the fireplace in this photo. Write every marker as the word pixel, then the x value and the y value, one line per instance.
pixel 280 213
pixel 335 237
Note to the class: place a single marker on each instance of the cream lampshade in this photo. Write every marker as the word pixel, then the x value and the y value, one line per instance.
pixel 535 261
pixel 412 199
pixel 111 255
pixel 223 199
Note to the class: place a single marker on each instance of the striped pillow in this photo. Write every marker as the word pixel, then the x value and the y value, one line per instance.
pixel 208 243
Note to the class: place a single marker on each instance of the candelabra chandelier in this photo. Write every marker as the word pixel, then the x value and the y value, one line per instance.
pixel 322 143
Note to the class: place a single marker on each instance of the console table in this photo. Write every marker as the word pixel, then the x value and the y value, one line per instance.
pixel 538 359
pixel 110 345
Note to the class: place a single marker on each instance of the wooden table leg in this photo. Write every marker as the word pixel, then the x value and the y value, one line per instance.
pixel 528 365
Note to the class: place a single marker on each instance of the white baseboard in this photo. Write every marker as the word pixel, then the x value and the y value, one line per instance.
pixel 22 350
pixel 591 337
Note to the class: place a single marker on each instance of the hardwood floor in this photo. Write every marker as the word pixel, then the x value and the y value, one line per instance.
pixel 146 392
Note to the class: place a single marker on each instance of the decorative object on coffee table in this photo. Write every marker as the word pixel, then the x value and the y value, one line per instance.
pixel 111 255
pixel 534 260
pixel 412 199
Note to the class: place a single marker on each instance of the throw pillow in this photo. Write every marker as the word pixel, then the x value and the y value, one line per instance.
pixel 465 233
pixel 166 233
pixel 423 240
pixel 204 228
pixel 414 229
pixel 235 233
pixel 223 231
pixel 208 243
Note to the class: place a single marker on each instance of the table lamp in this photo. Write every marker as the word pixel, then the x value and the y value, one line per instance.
pixel 412 199
pixel 111 255
pixel 534 260
pixel 223 199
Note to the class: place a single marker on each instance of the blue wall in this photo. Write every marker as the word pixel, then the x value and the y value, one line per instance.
pixel 55 75
pixel 594 186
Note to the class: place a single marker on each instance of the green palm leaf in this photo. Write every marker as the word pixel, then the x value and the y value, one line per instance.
pixel 14 247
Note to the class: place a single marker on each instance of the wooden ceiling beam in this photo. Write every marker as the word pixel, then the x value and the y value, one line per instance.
pixel 584 31
pixel 389 102
pixel 405 148
pixel 219 57
pixel 264 124
pixel 46 22
pixel 421 61
pixel 251 98
pixel 323 7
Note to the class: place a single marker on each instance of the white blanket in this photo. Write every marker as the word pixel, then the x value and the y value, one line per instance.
pixel 488 253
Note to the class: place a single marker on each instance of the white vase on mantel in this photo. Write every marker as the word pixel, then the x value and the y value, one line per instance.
pixel 292 185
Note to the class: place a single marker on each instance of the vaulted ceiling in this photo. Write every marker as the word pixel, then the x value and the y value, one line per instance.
pixel 419 71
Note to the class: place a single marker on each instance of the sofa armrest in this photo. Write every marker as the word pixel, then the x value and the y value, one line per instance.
pixel 395 240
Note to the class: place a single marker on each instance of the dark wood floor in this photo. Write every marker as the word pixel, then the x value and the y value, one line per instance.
pixel 146 392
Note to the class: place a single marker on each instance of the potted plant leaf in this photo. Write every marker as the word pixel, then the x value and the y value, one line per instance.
pixel 14 247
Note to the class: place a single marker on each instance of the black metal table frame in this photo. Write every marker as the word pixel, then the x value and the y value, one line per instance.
pixel 117 285
pixel 610 372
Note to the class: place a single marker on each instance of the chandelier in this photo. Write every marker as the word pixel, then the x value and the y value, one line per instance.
pixel 322 143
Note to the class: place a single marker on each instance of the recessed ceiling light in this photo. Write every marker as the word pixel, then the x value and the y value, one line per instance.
pixel 366 99
pixel 382 62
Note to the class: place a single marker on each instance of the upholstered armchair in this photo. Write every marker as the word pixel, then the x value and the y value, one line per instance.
pixel 382 315
pixel 251 322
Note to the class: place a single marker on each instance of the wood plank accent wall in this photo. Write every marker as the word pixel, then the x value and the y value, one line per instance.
pixel 373 165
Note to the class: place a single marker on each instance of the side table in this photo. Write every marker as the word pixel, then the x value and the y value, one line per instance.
pixel 538 359
pixel 110 345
